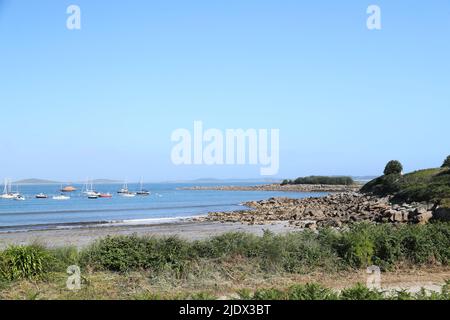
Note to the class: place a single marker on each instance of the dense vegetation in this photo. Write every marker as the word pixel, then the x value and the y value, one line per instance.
pixel 300 252
pixel 393 167
pixel 431 185
pixel 313 291
pixel 321 180
pixel 171 261
pixel 446 163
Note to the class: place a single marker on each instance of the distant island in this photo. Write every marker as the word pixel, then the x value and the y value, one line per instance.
pixel 32 181
pixel 36 181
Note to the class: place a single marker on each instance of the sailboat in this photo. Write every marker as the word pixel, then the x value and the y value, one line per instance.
pixel 7 193
pixel 17 195
pixel 142 191
pixel 88 190
pixel 124 188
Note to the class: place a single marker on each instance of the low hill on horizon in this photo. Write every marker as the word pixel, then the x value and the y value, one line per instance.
pixel 36 181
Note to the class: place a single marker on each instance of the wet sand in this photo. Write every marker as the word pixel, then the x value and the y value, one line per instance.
pixel 81 237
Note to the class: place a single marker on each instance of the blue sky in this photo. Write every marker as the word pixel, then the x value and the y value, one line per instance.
pixel 102 101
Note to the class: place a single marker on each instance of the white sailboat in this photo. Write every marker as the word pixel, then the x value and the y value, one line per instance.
pixel 7 193
pixel 88 189
pixel 142 191
pixel 124 189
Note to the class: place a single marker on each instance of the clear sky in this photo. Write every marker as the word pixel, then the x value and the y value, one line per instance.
pixel 103 101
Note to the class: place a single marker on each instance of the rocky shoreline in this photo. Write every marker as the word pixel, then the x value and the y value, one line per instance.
pixel 334 210
pixel 286 188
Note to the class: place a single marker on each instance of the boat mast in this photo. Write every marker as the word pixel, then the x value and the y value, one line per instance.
pixel 5 190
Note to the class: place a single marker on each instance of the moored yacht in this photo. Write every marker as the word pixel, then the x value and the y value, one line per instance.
pixel 20 198
pixel 88 190
pixel 128 194
pixel 7 193
pixel 41 196
pixel 142 191
pixel 124 188
pixel 61 197
pixel 68 189
pixel 105 195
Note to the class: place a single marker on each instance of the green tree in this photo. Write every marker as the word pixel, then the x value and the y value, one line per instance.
pixel 393 167
pixel 446 163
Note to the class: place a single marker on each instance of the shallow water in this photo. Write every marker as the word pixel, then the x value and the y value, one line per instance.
pixel 166 203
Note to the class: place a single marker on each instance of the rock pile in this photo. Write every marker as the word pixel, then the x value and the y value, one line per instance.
pixel 334 210
pixel 287 188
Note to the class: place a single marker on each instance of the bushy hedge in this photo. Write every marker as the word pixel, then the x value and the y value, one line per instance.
pixel 299 252
pixel 321 180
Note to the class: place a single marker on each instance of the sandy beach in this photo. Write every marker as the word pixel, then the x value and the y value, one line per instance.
pixel 81 237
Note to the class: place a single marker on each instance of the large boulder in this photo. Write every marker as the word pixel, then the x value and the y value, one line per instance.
pixel 423 218
pixel 442 214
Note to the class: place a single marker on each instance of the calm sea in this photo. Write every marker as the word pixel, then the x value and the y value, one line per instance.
pixel 166 203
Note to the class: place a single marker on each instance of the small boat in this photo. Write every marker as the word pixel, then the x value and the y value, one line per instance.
pixel 41 196
pixel 93 196
pixel 68 189
pixel 124 189
pixel 19 198
pixel 61 197
pixel 7 193
pixel 88 189
pixel 142 191
pixel 128 195
pixel 105 195
pixel 7 196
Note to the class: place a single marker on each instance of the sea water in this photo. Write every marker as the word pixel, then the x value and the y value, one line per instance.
pixel 168 202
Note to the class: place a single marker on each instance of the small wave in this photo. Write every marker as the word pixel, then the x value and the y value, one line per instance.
pixel 96 224
pixel 117 209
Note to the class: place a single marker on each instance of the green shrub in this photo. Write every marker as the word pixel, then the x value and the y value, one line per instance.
pixel 311 291
pixel 388 247
pixel 417 244
pixel 25 262
pixel 269 294
pixel 228 244
pixel 361 292
pixel 203 296
pixel 305 251
pixel 393 167
pixel 356 246
pixel 124 254
pixel 446 163
pixel 64 257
